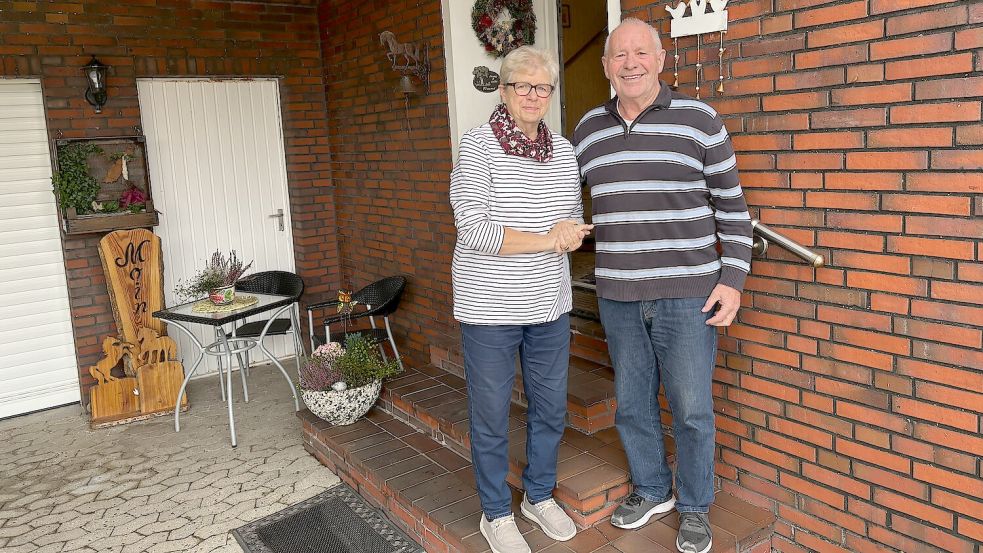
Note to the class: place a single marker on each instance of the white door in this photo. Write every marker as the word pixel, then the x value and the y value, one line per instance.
pixel 38 368
pixel 218 173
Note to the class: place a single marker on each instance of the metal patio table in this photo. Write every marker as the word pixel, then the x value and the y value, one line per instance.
pixel 229 345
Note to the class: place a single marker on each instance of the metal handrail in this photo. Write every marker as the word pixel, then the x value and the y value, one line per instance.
pixel 764 235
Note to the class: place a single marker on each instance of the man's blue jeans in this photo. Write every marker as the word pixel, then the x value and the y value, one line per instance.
pixel 664 341
pixel 489 361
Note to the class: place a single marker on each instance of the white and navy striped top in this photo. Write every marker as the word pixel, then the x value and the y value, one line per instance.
pixel 665 192
pixel 491 191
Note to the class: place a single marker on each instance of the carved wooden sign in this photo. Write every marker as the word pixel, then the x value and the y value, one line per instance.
pixel 151 376
pixel 134 271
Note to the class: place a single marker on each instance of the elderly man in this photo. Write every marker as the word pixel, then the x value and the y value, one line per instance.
pixel 663 179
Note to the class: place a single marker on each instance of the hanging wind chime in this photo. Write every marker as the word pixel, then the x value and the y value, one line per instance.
pixel 698 22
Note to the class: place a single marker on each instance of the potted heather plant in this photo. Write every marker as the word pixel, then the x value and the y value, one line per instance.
pixel 340 384
pixel 217 279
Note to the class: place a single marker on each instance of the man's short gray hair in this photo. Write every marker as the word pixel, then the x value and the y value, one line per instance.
pixel 527 58
pixel 634 21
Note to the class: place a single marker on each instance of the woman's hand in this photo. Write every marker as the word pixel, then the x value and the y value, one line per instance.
pixel 568 235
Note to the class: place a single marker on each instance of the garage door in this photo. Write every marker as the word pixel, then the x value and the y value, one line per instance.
pixel 37 351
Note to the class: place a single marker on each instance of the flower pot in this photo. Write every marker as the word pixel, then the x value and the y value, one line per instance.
pixel 344 407
pixel 223 296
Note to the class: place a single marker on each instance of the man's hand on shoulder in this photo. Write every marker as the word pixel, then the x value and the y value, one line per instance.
pixel 729 300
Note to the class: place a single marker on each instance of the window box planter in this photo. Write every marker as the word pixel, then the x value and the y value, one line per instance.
pixel 107 222
pixel 100 172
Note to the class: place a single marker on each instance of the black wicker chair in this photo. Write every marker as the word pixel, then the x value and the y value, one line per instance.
pixel 379 299
pixel 270 282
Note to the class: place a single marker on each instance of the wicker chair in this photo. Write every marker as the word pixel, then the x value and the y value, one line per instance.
pixel 379 299
pixel 269 282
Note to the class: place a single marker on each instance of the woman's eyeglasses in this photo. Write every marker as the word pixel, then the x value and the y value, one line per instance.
pixel 523 89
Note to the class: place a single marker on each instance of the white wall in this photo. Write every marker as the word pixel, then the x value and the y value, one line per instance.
pixel 468 107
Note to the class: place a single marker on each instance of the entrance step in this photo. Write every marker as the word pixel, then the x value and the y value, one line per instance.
pixel 427 489
pixel 590 390
pixel 592 470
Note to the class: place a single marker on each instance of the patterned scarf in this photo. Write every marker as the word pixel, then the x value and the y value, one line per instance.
pixel 515 142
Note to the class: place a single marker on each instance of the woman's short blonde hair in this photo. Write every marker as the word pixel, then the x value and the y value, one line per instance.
pixel 527 58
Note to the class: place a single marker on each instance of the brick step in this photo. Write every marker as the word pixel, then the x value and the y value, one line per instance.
pixel 590 392
pixel 428 490
pixel 592 470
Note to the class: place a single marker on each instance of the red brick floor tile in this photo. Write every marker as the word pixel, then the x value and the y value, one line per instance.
pixel 586 541
pixel 421 442
pixel 454 512
pixel 422 474
pixel 397 428
pixel 402 467
pixel 593 481
pixel 614 454
pixel 448 459
pixel 441 498
pixel 369 441
pixel 448 397
pixel 379 461
pixel 576 465
pixel 357 434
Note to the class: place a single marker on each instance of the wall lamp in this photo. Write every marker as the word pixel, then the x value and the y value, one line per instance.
pixel 95 76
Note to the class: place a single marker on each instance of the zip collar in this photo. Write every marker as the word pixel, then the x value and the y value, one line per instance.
pixel 662 101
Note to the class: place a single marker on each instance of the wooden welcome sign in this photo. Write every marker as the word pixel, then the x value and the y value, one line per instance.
pixel 151 375
pixel 134 271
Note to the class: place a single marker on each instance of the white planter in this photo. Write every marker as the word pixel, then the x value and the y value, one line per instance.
pixel 345 407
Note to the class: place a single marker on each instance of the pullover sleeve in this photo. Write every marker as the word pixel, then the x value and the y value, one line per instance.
pixel 578 212
pixel 470 193
pixel 730 210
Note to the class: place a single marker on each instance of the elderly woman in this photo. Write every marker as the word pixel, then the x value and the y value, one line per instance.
pixel 516 196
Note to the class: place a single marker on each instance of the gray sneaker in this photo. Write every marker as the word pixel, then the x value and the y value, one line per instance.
pixel 694 533
pixel 503 535
pixel 635 510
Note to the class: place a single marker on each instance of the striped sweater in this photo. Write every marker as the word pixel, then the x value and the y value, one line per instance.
pixel 664 192
pixel 491 191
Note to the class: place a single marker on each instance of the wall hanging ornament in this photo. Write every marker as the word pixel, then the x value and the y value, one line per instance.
pixel 408 59
pixel 698 22
pixel 503 25
pixel 485 80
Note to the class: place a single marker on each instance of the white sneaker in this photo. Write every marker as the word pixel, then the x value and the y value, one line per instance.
pixel 503 535
pixel 550 517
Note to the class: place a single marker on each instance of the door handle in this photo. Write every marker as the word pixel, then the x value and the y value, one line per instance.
pixel 278 215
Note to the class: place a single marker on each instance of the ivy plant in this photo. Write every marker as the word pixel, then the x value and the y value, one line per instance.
pixel 74 186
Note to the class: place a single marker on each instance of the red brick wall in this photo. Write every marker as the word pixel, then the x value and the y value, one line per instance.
pixel 390 163
pixel 848 397
pixel 147 38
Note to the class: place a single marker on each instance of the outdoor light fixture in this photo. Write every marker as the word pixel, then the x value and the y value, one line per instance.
pixel 95 76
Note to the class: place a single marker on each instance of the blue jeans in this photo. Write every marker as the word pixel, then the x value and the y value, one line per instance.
pixel 489 363
pixel 664 341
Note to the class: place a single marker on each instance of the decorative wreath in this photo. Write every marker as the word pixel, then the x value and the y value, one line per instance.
pixel 503 25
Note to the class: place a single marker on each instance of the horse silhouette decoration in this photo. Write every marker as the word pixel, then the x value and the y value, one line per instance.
pixel 408 50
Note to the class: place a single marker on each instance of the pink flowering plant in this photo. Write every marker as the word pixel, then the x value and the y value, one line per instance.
pixel 218 272
pixel 319 373
pixel 336 367
pixel 133 199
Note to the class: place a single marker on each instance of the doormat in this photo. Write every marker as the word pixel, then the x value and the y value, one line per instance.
pixel 334 521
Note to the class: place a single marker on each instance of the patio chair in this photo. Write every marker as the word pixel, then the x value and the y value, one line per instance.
pixel 381 298
pixel 269 282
